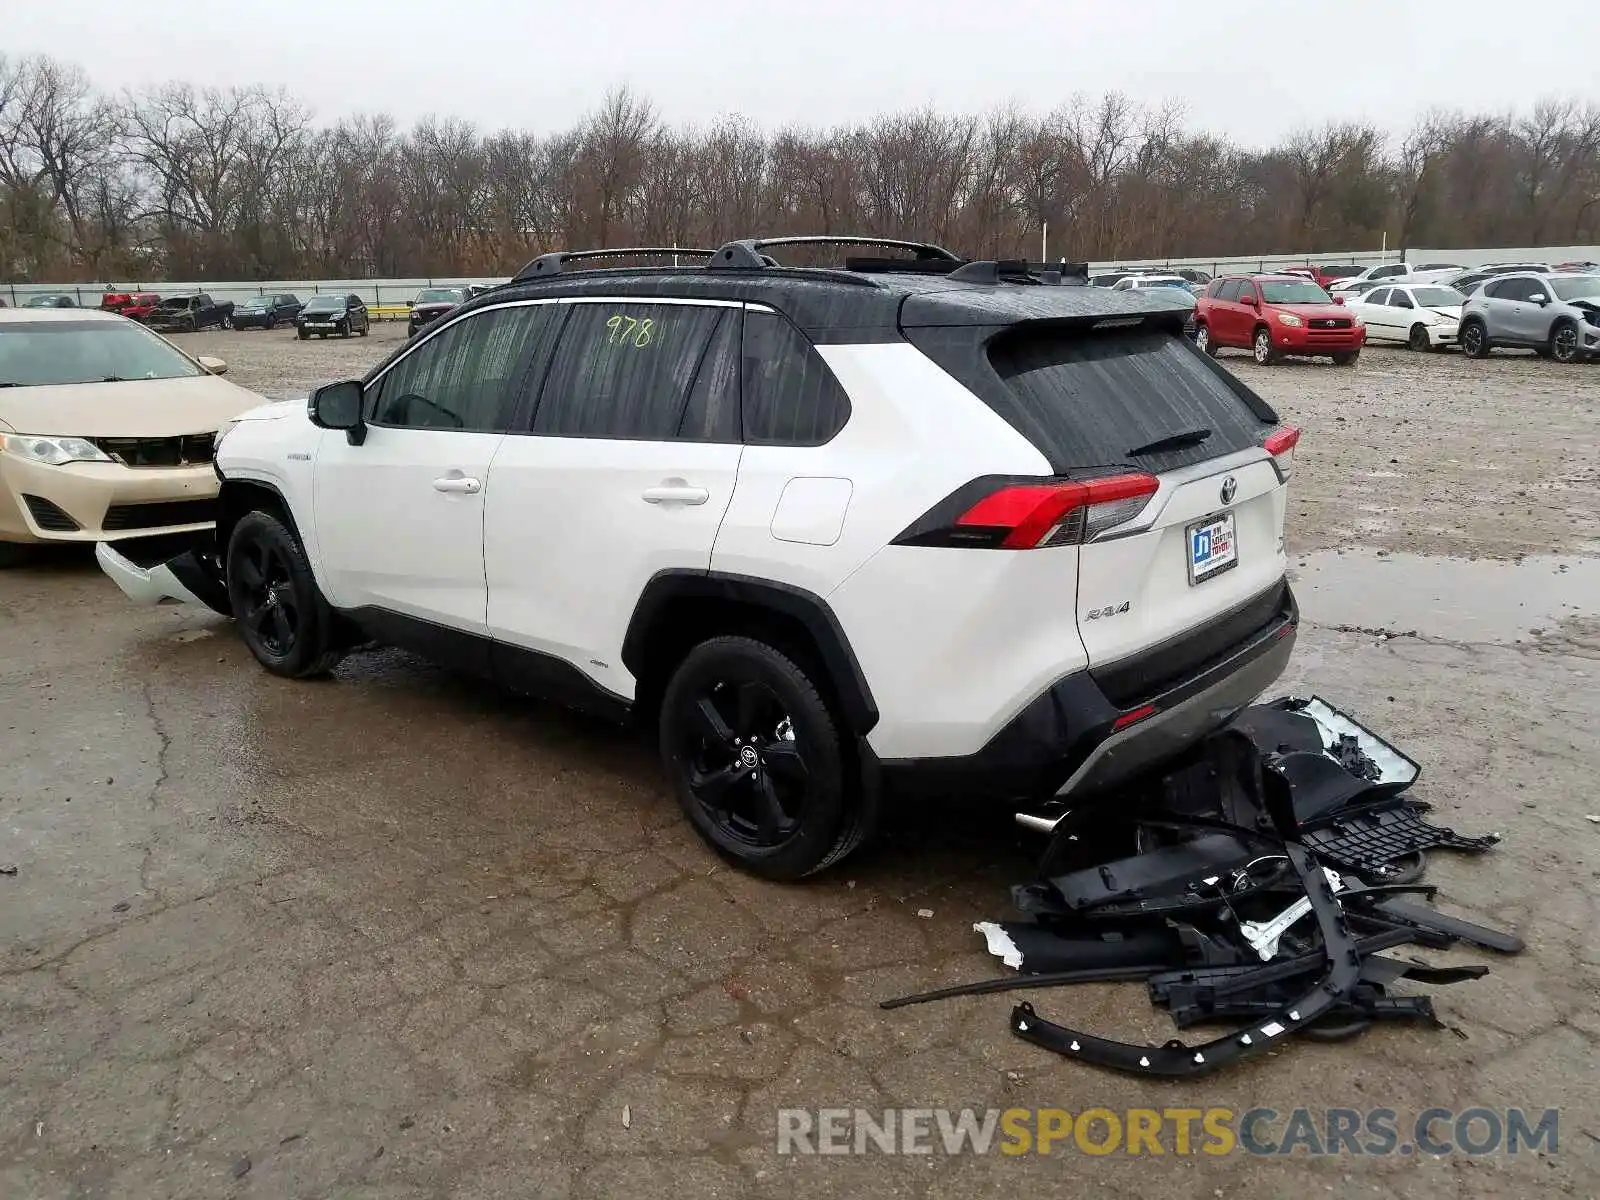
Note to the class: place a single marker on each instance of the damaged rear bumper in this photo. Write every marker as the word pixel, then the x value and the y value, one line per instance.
pixel 166 571
pixel 1096 729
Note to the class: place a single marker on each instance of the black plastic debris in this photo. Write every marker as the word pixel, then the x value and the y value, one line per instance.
pixel 1258 884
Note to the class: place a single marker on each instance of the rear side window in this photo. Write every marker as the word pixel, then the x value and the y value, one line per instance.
pixel 624 370
pixel 1087 399
pixel 790 396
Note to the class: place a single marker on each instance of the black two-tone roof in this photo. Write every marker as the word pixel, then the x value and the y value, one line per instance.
pixel 847 306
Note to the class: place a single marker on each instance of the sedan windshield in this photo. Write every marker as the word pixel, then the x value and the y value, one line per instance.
pixel 1293 293
pixel 441 296
pixel 1576 287
pixel 1438 297
pixel 44 353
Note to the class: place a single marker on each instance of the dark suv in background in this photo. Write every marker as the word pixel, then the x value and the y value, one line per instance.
pixel 325 314
pixel 433 303
pixel 266 312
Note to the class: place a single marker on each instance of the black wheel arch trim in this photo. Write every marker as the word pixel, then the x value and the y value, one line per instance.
pixel 810 610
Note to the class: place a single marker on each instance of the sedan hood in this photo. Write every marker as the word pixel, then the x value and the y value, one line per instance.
pixel 138 408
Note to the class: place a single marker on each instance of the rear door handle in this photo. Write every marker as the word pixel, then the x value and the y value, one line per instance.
pixel 675 494
pixel 459 484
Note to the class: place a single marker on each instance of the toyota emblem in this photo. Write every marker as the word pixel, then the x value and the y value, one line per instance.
pixel 1230 485
pixel 748 756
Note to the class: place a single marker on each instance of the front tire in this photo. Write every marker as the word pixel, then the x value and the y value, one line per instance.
pixel 1203 342
pixel 14 554
pixel 304 336
pixel 1475 340
pixel 1564 346
pixel 1261 346
pixel 758 761
pixel 1347 359
pixel 1419 340
pixel 276 602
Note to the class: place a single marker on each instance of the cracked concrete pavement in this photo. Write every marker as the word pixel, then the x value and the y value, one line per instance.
pixel 396 935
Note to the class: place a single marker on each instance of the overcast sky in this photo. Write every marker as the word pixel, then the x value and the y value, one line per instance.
pixel 1253 71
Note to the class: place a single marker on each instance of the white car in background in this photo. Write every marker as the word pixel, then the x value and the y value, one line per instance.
pixel 1423 316
pixel 1140 282
pixel 1394 270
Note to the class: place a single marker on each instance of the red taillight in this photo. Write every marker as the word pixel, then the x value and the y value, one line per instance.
pixel 1280 444
pixel 1058 513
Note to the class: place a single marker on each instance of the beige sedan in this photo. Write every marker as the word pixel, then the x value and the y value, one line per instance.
pixel 106 430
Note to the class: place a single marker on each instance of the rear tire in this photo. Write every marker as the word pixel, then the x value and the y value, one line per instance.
pixel 276 602
pixel 1474 340
pixel 733 711
pixel 1261 345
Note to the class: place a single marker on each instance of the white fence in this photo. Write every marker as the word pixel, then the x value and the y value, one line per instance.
pixel 398 291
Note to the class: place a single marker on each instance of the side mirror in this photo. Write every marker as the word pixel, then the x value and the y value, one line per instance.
pixel 1338 299
pixel 1249 298
pixel 1540 299
pixel 215 366
pixel 338 406
pixel 411 303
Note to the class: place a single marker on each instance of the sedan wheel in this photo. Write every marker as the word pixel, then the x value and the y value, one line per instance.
pixel 1419 338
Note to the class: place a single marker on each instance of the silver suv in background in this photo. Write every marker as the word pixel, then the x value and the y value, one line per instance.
pixel 1557 314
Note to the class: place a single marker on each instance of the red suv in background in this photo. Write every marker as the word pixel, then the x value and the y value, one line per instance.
pixel 137 305
pixel 1276 316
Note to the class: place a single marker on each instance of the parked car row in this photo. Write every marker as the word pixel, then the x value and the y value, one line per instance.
pixel 1554 312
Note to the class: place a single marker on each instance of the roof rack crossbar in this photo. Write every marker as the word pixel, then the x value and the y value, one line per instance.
pixel 555 261
pixel 746 254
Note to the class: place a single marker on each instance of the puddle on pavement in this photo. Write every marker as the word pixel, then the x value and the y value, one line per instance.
pixel 1471 600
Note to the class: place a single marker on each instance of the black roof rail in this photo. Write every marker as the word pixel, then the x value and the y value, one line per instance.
pixel 555 262
pixel 745 254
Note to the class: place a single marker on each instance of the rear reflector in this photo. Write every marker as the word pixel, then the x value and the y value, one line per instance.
pixel 1027 516
pixel 1280 444
pixel 1133 717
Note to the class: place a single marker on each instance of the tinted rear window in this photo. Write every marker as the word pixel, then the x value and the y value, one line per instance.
pixel 1085 399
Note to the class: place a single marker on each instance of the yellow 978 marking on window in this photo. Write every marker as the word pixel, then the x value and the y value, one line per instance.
pixel 630 331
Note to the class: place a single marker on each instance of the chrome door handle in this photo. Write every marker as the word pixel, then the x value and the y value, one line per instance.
pixel 459 484
pixel 667 494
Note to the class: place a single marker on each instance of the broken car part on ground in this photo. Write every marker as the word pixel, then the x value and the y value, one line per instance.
pixel 1267 876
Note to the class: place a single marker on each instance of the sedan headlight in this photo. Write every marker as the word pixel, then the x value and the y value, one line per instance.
pixel 52 451
pixel 1290 320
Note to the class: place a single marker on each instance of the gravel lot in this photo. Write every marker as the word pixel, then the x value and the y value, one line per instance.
pixel 395 935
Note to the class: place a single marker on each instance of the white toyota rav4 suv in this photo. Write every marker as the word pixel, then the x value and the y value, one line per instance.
pixel 915 525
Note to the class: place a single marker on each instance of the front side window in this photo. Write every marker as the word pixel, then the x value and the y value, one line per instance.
pixel 1399 299
pixel 1230 289
pixel 623 369
pixel 46 353
pixel 463 378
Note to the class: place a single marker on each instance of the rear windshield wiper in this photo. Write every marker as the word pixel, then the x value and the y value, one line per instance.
pixel 1173 441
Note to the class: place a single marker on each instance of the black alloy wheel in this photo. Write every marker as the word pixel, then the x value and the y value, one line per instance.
pixel 264 600
pixel 1564 342
pixel 757 760
pixel 274 597
pixel 745 768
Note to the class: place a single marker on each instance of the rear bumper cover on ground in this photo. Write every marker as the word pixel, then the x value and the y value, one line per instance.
pixel 1075 740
